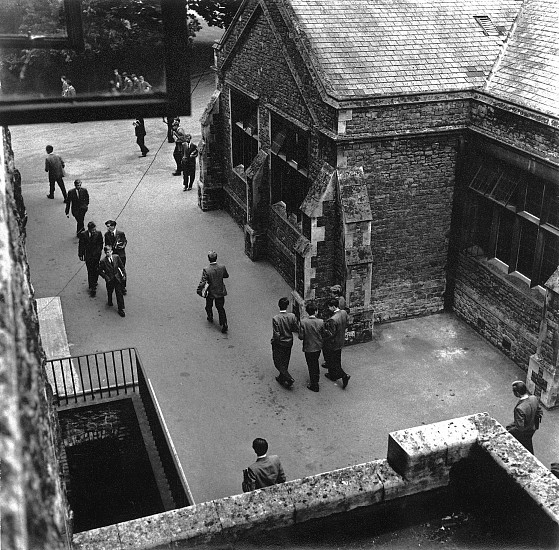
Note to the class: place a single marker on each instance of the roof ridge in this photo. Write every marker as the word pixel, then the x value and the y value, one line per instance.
pixel 506 42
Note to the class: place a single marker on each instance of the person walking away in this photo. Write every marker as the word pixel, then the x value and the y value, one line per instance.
pixel 54 165
pixel 117 241
pixel 283 326
pixel 112 270
pixel 216 291
pixel 90 249
pixel 310 331
pixel 527 416
pixel 333 335
pixel 267 470
pixel 140 131
pixel 78 201
pixel 188 162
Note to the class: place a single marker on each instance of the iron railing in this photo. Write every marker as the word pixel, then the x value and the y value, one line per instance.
pixel 89 377
pixel 86 379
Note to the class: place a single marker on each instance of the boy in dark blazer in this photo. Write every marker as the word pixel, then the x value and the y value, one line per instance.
pixel 333 333
pixel 78 201
pixel 214 275
pixel 90 248
pixel 188 163
pixel 283 326
pixel 112 270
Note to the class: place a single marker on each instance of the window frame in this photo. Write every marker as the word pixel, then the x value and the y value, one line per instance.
pixel 477 199
pixel 293 159
pixel 176 99
pixel 251 139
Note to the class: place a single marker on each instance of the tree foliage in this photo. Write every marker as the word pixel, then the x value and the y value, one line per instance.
pixel 217 13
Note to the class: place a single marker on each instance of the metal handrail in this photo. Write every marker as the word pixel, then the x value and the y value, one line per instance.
pixel 86 379
pixel 93 376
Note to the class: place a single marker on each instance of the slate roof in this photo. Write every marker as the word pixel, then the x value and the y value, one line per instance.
pixel 527 72
pixel 363 48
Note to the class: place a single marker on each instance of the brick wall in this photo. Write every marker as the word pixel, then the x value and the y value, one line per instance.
pixel 282 237
pixel 498 306
pixel 235 208
pixel 528 131
pixel 408 117
pixel 33 506
pixel 410 185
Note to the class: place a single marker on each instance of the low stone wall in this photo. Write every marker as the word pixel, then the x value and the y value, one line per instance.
pixel 419 459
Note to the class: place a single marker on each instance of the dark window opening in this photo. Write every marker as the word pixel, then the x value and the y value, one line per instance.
pixel 244 129
pixel 494 181
pixel 511 215
pixel 549 258
pixel 533 197
pixel 504 236
pixel 551 206
pixel 527 248
pixel 289 164
pixel 477 226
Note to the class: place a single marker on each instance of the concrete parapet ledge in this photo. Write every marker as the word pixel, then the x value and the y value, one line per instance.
pixel 526 471
pixel 419 459
pixel 428 452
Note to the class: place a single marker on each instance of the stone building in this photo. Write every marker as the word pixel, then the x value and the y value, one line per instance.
pixel 410 156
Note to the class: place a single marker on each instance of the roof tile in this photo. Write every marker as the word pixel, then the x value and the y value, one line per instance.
pixel 380 39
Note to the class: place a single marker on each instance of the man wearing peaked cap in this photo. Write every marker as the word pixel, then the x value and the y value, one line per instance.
pixel 117 241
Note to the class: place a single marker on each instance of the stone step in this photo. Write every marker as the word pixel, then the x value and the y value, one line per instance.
pixel 151 448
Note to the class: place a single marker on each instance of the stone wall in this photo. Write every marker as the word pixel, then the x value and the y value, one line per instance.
pixel 32 504
pixel 411 185
pixel 528 131
pixel 499 306
pixel 406 116
pixel 419 460
pixel 282 238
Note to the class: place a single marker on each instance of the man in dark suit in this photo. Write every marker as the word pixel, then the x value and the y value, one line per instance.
pixel 283 326
pixel 140 131
pixel 117 241
pixel 527 415
pixel 188 162
pixel 267 470
pixel 179 138
pixel 112 270
pixel 333 334
pixel 54 165
pixel 78 200
pixel 214 275
pixel 90 248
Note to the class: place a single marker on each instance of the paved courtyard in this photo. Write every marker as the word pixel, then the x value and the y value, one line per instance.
pixel 218 392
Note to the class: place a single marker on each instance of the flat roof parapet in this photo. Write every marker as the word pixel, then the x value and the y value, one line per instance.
pixel 419 459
